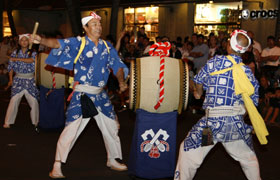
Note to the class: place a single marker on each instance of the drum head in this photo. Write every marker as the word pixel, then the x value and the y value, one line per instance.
pixel 144 87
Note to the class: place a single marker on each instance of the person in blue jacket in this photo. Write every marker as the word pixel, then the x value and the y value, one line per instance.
pixel 91 73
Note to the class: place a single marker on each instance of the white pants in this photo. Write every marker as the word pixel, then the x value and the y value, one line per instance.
pixel 13 108
pixel 190 161
pixel 108 128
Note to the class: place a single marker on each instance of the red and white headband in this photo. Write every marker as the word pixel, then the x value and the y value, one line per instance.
pixel 234 44
pixel 23 35
pixel 91 16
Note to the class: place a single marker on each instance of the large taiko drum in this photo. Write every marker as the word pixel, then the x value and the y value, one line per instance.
pixel 44 73
pixel 144 87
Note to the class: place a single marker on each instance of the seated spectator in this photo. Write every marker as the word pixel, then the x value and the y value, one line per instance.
pixel 263 91
pixel 273 110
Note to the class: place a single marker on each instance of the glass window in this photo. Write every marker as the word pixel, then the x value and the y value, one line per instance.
pixel 146 17
pixel 214 17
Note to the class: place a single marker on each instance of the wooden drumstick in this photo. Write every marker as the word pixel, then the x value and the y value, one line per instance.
pixel 125 81
pixel 33 34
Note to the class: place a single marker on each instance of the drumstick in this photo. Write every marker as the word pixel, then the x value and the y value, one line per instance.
pixel 33 34
pixel 125 81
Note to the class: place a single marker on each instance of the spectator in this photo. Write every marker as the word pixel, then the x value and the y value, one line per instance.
pixel 213 46
pixel 221 36
pixel 200 51
pixel 256 44
pixel 5 49
pixel 158 39
pixel 263 91
pixel 186 39
pixel 273 109
pixel 141 32
pixel 270 57
pixel 174 51
pixel 222 49
pixel 165 39
pixel 249 59
pixel 186 49
pixel 147 44
pixel 179 43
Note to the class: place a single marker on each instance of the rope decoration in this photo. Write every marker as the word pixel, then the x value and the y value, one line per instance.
pixel 53 81
pixel 161 50
pixel 53 85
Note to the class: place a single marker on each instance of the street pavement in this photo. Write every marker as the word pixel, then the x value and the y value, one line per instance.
pixel 27 155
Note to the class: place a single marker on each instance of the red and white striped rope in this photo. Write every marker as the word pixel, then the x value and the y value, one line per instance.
pixel 53 80
pixel 161 50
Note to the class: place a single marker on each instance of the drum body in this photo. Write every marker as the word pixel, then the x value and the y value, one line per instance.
pixel 44 74
pixel 144 87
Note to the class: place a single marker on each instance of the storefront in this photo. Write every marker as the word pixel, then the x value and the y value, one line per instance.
pixel 6 25
pixel 214 17
pixel 147 17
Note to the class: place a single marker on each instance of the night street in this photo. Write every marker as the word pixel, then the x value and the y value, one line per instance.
pixel 27 155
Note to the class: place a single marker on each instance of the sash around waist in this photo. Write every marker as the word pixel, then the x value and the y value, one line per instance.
pixel 226 111
pixel 88 89
pixel 24 75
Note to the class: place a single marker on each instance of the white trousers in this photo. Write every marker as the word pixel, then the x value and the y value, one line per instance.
pixel 13 108
pixel 190 161
pixel 108 127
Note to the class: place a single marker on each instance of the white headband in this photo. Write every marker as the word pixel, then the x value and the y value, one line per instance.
pixel 23 35
pixel 234 44
pixel 92 15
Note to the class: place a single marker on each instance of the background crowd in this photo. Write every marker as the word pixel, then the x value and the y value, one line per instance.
pixel 196 51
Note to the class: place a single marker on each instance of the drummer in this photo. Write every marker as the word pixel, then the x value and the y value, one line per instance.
pixel 224 113
pixel 22 63
pixel 91 74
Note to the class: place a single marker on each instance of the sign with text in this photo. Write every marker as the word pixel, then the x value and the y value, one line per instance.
pixel 257 14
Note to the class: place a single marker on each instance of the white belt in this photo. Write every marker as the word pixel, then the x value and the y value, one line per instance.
pixel 226 111
pixel 88 89
pixel 24 75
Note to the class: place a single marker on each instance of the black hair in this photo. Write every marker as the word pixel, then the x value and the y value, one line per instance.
pixel 271 37
pixel 191 44
pixel 200 36
pixel 179 38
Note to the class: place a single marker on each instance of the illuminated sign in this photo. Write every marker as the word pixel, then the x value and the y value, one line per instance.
pixel 263 13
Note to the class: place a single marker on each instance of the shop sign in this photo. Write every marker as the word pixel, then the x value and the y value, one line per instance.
pixel 256 14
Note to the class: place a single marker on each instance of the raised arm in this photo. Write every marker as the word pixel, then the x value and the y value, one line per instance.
pixel 49 42
pixel 26 60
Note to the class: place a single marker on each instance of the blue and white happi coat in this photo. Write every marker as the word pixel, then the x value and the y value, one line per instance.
pixel 92 68
pixel 220 92
pixel 20 84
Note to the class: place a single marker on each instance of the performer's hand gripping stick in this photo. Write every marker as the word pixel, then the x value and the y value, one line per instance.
pixel 33 34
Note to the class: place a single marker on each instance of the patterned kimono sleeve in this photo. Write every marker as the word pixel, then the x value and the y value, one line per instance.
pixel 11 63
pixel 64 56
pixel 33 56
pixel 202 76
pixel 115 62
pixel 255 83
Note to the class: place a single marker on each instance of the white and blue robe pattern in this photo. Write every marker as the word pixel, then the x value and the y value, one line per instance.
pixel 20 84
pixel 92 68
pixel 220 92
